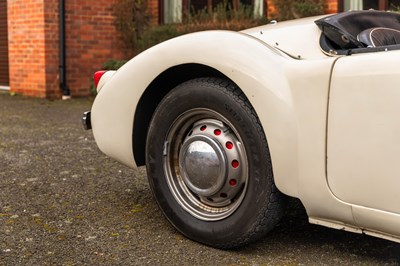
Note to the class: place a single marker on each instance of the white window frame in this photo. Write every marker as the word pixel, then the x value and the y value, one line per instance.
pixel 172 11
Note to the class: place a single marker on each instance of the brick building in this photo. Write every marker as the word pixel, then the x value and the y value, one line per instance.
pixel 32 36
pixel 30 48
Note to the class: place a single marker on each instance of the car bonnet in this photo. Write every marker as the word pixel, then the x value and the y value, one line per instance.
pixel 298 38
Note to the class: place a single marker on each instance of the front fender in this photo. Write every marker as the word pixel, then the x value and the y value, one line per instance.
pixel 264 75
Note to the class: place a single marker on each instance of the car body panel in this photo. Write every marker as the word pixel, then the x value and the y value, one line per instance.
pixel 378 223
pixel 298 38
pixel 104 79
pixel 363 135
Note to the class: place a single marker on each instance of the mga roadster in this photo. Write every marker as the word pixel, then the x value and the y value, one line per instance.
pixel 229 123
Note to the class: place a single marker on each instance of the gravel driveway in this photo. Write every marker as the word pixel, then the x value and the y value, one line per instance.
pixel 63 202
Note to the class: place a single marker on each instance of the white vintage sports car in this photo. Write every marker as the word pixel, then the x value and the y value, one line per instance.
pixel 227 123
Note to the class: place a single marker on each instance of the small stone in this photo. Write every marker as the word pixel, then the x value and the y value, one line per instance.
pixel 90 238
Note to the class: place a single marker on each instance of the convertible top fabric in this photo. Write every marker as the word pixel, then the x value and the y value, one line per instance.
pixel 376 37
pixel 342 29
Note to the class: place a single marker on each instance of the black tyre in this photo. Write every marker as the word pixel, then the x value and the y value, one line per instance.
pixel 209 166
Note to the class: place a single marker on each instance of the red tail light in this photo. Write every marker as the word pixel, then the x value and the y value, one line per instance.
pixel 97 77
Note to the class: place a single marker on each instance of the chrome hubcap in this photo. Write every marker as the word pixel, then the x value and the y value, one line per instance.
pixel 201 162
pixel 205 165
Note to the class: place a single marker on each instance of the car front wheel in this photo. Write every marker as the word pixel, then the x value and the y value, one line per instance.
pixel 209 166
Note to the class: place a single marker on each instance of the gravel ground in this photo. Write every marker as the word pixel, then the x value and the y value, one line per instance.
pixel 63 202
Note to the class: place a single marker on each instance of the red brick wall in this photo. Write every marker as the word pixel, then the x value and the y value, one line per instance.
pixel 152 9
pixel 91 39
pixel 26 41
pixel 331 6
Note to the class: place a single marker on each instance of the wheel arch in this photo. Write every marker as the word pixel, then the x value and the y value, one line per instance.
pixel 153 95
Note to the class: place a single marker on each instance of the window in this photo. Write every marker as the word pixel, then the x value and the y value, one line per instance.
pixel 345 5
pixel 353 5
pixel 174 9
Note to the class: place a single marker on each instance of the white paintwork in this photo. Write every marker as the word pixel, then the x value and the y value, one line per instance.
pixel 299 38
pixel 104 79
pixel 364 133
pixel 291 98
pixel 6 88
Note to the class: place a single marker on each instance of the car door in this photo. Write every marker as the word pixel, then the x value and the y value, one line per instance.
pixel 363 136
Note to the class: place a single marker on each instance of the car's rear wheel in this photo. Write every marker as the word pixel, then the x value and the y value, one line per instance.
pixel 209 166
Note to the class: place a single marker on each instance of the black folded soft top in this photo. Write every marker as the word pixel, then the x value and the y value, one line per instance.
pixel 342 29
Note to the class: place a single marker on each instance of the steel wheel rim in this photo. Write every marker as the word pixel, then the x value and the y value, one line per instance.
pixel 205 164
